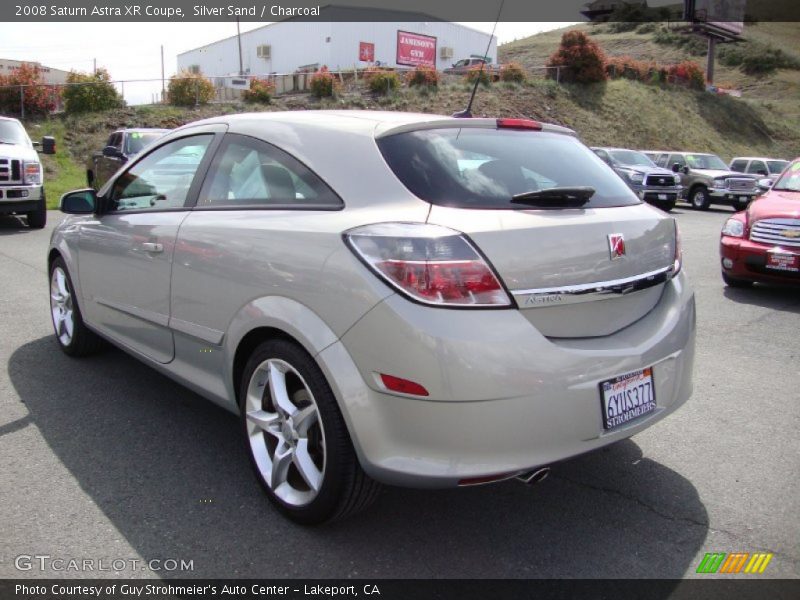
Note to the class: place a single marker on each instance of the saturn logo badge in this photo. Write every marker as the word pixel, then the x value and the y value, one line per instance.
pixel 616 245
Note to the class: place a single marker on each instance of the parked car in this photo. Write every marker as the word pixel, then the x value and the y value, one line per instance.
pixel 657 186
pixel 463 66
pixel 652 154
pixel 384 297
pixel 763 242
pixel 769 168
pixel 21 175
pixel 707 180
pixel 122 145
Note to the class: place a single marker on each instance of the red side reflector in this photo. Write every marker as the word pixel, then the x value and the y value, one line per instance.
pixel 397 384
pixel 519 124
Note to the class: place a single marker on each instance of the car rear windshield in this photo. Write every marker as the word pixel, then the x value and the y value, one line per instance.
pixel 484 168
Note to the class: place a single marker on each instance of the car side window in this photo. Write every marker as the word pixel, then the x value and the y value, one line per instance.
pixel 739 166
pixel 162 179
pixel 603 156
pixel 676 158
pixel 757 167
pixel 114 140
pixel 248 172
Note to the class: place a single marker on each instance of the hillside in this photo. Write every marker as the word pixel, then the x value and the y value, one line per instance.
pixel 765 121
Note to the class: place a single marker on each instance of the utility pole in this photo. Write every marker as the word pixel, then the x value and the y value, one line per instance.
pixel 162 73
pixel 95 66
pixel 712 50
pixel 239 38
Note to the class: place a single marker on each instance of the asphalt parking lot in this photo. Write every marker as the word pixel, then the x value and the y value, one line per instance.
pixel 105 458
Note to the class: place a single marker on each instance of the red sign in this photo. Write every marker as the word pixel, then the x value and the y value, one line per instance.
pixel 366 51
pixel 414 49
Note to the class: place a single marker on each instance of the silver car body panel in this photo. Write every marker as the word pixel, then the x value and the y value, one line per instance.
pixel 509 389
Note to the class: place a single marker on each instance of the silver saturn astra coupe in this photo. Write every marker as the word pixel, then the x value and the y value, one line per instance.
pixel 384 297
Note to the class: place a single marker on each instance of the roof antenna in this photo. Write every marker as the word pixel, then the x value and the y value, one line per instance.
pixel 467 113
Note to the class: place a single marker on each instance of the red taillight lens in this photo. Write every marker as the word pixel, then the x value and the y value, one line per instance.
pixel 404 386
pixel 431 264
pixel 519 124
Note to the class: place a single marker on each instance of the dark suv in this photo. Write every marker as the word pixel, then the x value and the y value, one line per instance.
pixel 652 184
pixel 120 147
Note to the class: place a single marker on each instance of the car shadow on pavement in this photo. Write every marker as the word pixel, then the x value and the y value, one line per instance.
pixel 170 472
pixel 781 298
pixel 10 224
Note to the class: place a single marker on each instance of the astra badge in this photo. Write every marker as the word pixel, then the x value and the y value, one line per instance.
pixel 616 245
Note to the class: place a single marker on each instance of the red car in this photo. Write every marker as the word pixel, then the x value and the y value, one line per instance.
pixel 762 243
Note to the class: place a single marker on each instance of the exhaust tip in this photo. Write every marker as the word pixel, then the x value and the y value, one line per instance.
pixel 535 476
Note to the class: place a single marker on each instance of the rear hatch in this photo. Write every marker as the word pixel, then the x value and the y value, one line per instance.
pixel 574 271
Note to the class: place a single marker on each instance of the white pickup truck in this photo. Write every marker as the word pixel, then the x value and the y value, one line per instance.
pixel 21 175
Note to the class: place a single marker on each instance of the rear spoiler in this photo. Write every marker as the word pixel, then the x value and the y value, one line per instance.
pixel 387 129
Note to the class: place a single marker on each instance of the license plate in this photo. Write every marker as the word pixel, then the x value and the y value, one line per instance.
pixel 662 196
pixel 780 261
pixel 627 397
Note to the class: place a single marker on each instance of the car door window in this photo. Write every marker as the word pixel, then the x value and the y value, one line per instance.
pixel 114 140
pixel 248 172
pixel 757 167
pixel 676 158
pixel 739 166
pixel 161 180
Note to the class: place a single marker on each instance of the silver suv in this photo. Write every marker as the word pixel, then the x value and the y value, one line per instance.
pixel 21 175
pixel 707 180
pixel 385 297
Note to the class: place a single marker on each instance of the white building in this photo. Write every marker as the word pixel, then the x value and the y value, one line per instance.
pixel 288 46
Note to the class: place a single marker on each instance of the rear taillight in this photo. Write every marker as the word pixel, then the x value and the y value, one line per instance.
pixel 428 263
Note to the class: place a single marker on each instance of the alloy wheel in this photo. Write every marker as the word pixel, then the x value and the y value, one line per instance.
pixel 61 307
pixel 285 432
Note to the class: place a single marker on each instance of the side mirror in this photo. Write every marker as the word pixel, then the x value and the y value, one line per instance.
pixel 685 169
pixel 764 184
pixel 37 145
pixel 79 202
pixel 676 167
pixel 112 152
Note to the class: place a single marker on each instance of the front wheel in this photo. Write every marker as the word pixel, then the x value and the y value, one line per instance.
pixel 296 436
pixel 74 338
pixel 37 218
pixel 741 204
pixel 699 198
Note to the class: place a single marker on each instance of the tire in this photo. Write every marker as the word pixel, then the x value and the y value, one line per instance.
pixel 318 478
pixel 666 206
pixel 65 313
pixel 738 205
pixel 736 283
pixel 37 219
pixel 698 198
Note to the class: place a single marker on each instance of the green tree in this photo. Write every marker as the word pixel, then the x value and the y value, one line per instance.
pixel 90 92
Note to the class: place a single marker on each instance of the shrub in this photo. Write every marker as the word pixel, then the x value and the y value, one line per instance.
pixel 38 99
pixel 476 73
pixel 512 72
pixel 582 57
pixel 261 91
pixel 689 73
pixel 92 92
pixel 323 83
pixel 381 81
pixel 757 59
pixel 629 68
pixel 188 89
pixel 423 76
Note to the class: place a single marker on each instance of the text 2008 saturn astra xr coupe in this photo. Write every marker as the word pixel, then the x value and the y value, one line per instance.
pixel 385 297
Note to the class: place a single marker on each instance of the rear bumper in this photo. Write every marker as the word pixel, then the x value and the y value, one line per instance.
pixel 743 259
pixel 19 198
pixel 503 398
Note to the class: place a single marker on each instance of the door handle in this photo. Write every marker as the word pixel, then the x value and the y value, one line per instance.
pixel 152 247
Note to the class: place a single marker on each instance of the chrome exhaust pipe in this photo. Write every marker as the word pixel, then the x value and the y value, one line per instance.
pixel 535 476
